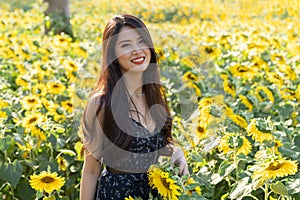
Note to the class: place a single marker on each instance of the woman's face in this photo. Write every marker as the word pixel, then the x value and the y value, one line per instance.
pixel 131 51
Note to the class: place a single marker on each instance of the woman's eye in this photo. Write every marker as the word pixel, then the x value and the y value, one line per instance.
pixel 142 41
pixel 124 45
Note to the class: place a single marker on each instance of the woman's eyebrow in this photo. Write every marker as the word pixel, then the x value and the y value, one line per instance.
pixel 129 40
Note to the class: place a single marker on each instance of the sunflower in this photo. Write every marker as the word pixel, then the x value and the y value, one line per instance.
pixel 277 58
pixel 39 90
pixel 68 106
pixel 3 103
pixel 279 167
pixel 288 94
pixel 62 163
pixel 129 198
pixel 22 81
pixel 46 181
pixel 266 93
pixel 165 185
pixel 33 119
pixel 231 141
pixel 246 102
pixel 241 71
pixel 57 113
pixel 256 134
pixel 31 103
pixel 272 77
pixel 204 102
pixel 288 71
pixel 194 188
pixel 3 116
pixel 38 132
pixel 41 70
pixel 55 88
pixel 229 88
pixel 72 76
pixel 238 120
pixel 189 76
pixel 70 65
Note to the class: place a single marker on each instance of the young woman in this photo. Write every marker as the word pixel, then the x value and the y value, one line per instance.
pixel 126 123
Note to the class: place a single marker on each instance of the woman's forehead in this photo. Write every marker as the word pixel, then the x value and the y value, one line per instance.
pixel 128 33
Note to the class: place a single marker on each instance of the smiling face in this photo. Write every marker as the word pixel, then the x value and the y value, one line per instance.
pixel 131 51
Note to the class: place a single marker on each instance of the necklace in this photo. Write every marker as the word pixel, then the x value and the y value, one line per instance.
pixel 137 94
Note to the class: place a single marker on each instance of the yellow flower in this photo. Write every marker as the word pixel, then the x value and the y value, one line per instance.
pixel 241 71
pixel 46 181
pixel 57 113
pixel 3 116
pixel 266 93
pixel 196 189
pixel 3 104
pixel 33 119
pixel 229 88
pixel 68 106
pixel 62 163
pixel 21 81
pixel 246 102
pixel 129 198
pixel 279 167
pixel 274 78
pixel 256 134
pixel 70 65
pixel 189 76
pixel 232 141
pixel 31 103
pixel 238 120
pixel 55 88
pixel 39 90
pixel 165 185
pixel 288 71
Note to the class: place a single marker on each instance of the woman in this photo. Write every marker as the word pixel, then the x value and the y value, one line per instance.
pixel 126 123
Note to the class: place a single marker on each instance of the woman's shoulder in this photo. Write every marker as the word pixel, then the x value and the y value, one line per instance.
pixel 96 99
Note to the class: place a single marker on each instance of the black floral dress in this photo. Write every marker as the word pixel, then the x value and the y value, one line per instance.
pixel 114 186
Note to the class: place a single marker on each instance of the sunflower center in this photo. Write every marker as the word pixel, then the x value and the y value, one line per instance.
pixel 242 69
pixel 274 166
pixel 209 50
pixel 165 183
pixel 31 100
pixel 47 179
pixel 70 105
pixel 200 129
pixel 56 86
pixel 191 77
pixel 32 120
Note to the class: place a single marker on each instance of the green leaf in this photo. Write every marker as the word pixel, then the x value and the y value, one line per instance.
pixel 297 141
pixel 5 143
pixel 286 151
pixel 279 188
pixel 11 172
pixel 242 189
pixel 225 168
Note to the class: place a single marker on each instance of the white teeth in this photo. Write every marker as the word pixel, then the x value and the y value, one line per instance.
pixel 138 60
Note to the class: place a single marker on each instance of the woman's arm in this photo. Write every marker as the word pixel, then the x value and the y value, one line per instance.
pixel 178 158
pixel 90 173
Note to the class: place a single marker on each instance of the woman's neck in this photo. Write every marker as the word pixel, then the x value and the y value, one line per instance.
pixel 133 82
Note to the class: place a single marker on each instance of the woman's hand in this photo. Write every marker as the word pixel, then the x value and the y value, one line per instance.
pixel 178 159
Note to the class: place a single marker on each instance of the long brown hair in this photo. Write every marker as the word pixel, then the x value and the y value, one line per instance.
pixel 110 77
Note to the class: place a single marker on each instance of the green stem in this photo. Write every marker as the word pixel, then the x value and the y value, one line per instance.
pixel 250 195
pixel 266 189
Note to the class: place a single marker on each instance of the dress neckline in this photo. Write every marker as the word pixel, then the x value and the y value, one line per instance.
pixel 140 124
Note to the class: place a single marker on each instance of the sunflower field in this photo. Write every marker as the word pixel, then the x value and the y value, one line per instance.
pixel 231 71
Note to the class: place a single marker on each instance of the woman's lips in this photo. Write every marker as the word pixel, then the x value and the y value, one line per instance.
pixel 138 60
